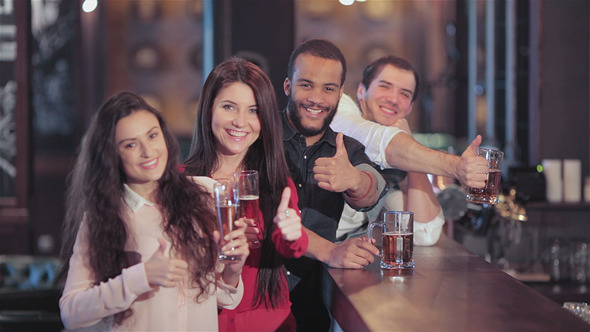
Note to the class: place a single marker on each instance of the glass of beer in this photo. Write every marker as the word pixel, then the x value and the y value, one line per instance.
pixel 489 193
pixel 247 183
pixel 227 203
pixel 397 239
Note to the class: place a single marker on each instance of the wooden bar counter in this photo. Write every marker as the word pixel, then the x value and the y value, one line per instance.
pixel 450 289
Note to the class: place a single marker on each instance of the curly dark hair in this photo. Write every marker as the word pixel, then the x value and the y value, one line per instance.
pixel 266 155
pixel 95 193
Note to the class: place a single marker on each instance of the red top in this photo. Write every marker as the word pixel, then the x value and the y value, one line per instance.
pixel 247 318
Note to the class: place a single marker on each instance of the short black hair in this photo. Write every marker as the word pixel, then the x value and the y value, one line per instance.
pixel 321 48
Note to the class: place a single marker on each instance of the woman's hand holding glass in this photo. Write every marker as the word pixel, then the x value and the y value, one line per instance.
pixel 287 219
pixel 227 204
pixel 235 244
pixel 252 233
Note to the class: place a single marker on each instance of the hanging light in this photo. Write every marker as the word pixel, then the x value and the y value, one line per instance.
pixel 88 6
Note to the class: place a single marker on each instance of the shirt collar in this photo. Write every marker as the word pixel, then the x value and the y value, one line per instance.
pixel 288 131
pixel 329 137
pixel 133 199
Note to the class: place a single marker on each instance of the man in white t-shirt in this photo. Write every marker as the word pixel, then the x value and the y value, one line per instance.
pixel 386 96
pixel 391 147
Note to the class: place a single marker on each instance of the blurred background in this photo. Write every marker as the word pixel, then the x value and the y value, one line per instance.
pixel 516 72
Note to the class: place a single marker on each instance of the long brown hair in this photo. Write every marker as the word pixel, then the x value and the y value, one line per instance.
pixel 96 189
pixel 266 155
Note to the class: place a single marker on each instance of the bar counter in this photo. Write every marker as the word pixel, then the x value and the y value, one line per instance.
pixel 450 289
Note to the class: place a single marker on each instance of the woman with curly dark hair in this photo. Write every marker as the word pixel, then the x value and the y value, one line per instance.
pixel 238 128
pixel 140 239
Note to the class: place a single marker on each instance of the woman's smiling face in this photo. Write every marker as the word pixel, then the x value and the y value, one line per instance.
pixel 235 122
pixel 142 149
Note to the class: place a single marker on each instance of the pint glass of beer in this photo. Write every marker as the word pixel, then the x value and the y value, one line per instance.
pixel 397 239
pixel 489 193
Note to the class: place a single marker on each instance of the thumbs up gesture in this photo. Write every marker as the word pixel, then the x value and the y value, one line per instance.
pixel 336 173
pixel 164 271
pixel 473 168
pixel 286 219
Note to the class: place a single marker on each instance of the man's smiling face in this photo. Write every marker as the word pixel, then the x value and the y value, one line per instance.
pixel 389 96
pixel 314 93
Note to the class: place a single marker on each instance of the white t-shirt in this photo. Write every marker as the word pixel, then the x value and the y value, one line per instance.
pixel 349 120
pixel 373 136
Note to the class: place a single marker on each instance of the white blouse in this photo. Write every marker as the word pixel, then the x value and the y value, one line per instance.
pixel 84 304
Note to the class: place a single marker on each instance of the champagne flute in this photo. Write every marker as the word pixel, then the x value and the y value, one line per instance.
pixel 227 203
pixel 247 183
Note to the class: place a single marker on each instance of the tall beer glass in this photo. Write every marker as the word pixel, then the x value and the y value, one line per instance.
pixel 227 203
pixel 247 182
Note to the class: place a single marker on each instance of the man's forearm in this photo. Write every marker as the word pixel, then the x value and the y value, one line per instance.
pixel 405 153
pixel 318 247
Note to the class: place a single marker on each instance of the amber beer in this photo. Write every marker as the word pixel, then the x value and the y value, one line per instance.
pixel 249 206
pixel 489 193
pixel 247 182
pixel 397 238
pixel 226 201
pixel 227 215
pixel 398 249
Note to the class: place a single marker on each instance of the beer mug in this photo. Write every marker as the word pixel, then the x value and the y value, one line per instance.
pixel 489 193
pixel 396 239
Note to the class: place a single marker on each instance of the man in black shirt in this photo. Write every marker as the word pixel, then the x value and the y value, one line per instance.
pixel 328 169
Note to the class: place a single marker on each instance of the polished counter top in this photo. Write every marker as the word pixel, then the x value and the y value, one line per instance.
pixel 450 289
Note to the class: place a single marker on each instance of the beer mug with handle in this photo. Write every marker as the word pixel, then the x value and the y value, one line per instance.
pixel 397 239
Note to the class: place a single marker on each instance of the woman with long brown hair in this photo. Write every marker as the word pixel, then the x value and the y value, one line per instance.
pixel 140 239
pixel 238 128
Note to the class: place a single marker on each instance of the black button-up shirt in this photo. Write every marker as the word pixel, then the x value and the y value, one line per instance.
pixel 320 212
pixel 320 209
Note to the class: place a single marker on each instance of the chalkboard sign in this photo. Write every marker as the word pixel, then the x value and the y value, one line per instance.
pixel 8 87
pixel 53 50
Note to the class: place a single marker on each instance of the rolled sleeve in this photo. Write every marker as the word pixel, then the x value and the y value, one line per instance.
pixel 229 297
pixel 349 120
pixel 380 184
